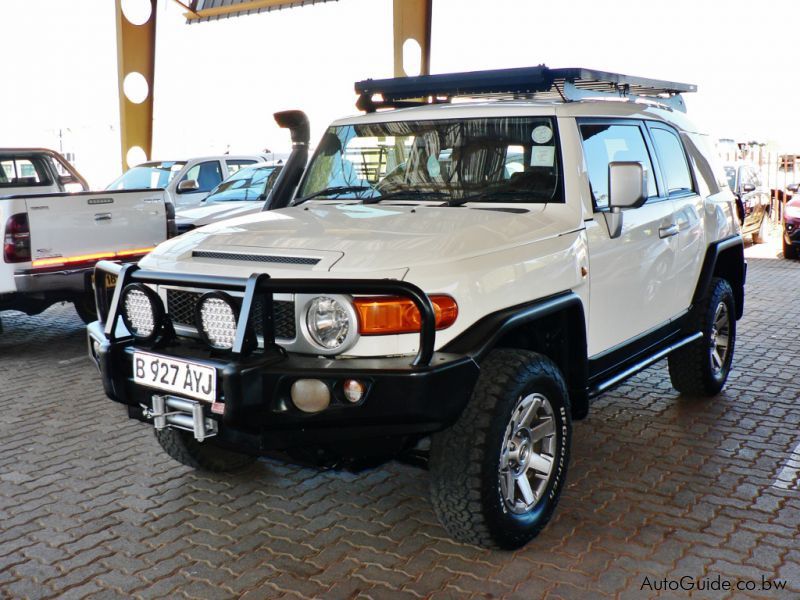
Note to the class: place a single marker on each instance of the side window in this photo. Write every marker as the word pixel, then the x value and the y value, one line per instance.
pixel 208 174
pixel 606 143
pixel 755 178
pixel 673 161
pixel 18 171
pixel 234 165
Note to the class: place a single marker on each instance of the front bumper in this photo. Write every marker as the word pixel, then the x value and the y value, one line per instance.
pixel 259 416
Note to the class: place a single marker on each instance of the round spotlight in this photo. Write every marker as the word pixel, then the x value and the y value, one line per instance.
pixel 310 395
pixel 142 311
pixel 328 322
pixel 216 317
pixel 354 390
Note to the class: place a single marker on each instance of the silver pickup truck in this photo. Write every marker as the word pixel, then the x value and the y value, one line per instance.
pixel 52 237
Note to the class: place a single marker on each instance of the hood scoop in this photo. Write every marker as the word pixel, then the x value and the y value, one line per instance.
pixel 262 258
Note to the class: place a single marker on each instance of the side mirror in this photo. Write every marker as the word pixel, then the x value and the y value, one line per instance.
pixel 793 188
pixel 190 185
pixel 627 188
pixel 68 179
pixel 748 187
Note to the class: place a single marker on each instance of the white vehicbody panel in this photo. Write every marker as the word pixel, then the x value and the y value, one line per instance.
pixel 490 259
pixel 80 224
pixel 486 259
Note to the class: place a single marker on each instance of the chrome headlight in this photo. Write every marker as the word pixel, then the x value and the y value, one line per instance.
pixel 216 317
pixel 330 322
pixel 142 311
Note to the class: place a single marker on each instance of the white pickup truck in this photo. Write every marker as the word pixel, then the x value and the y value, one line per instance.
pixel 53 237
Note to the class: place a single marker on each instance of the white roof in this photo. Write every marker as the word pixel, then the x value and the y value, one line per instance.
pixel 520 108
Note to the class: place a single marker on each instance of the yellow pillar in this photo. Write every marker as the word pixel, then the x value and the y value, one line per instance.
pixel 136 54
pixel 412 21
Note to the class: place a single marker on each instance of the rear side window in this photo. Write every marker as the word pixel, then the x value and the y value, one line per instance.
pixel 20 172
pixel 604 143
pixel 208 174
pixel 673 161
pixel 236 164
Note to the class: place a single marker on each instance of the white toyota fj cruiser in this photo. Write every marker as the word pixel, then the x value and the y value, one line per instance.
pixel 465 272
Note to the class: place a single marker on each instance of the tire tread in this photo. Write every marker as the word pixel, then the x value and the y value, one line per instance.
pixel 457 454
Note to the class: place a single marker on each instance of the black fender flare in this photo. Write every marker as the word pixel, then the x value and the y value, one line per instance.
pixel 724 257
pixel 571 357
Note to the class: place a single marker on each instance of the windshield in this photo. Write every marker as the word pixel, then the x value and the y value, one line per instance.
pixel 509 159
pixel 730 173
pixel 148 176
pixel 248 183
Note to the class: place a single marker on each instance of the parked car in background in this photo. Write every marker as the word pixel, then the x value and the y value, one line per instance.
pixel 752 200
pixel 52 238
pixel 242 193
pixel 790 236
pixel 28 171
pixel 186 182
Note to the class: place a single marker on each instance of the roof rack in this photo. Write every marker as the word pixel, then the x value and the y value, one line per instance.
pixel 541 83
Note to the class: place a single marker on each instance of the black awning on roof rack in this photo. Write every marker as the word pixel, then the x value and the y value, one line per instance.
pixel 540 82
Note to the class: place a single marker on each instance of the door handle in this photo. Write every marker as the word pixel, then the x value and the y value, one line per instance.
pixel 102 217
pixel 669 231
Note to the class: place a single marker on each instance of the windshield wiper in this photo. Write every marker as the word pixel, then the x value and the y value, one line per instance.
pixel 483 196
pixel 341 189
pixel 410 194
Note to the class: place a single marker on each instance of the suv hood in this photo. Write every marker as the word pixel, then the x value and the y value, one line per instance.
pixel 210 212
pixel 370 238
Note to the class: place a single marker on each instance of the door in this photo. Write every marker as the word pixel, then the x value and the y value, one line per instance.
pixel 81 226
pixel 631 276
pixel 682 189
pixel 207 174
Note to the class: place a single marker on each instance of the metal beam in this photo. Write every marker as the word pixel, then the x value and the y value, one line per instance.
pixel 412 21
pixel 205 10
pixel 136 53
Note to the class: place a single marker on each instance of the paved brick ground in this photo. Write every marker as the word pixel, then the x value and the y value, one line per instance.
pixel 660 486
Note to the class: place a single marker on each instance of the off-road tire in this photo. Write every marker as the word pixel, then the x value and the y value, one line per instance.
pixel 85 307
pixel 789 251
pixel 691 367
pixel 465 458
pixel 182 446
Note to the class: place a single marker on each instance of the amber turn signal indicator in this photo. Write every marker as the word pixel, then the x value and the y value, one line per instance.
pixel 384 315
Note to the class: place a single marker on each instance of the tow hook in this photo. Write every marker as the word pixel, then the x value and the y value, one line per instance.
pixel 179 413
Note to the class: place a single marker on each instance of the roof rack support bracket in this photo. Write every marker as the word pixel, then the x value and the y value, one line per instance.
pixel 572 93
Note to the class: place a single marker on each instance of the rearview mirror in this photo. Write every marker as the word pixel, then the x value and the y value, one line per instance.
pixel 68 179
pixel 190 185
pixel 627 188
pixel 748 187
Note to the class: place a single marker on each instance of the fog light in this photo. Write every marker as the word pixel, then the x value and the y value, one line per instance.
pixel 96 349
pixel 311 395
pixel 354 390
pixel 142 312
pixel 216 317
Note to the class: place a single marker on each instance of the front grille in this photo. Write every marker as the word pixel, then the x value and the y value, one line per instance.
pixel 181 306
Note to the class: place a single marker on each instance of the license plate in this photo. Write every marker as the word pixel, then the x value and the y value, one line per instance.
pixel 109 279
pixel 172 375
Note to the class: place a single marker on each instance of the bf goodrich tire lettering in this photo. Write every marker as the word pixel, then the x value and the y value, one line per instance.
pixel 467 460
